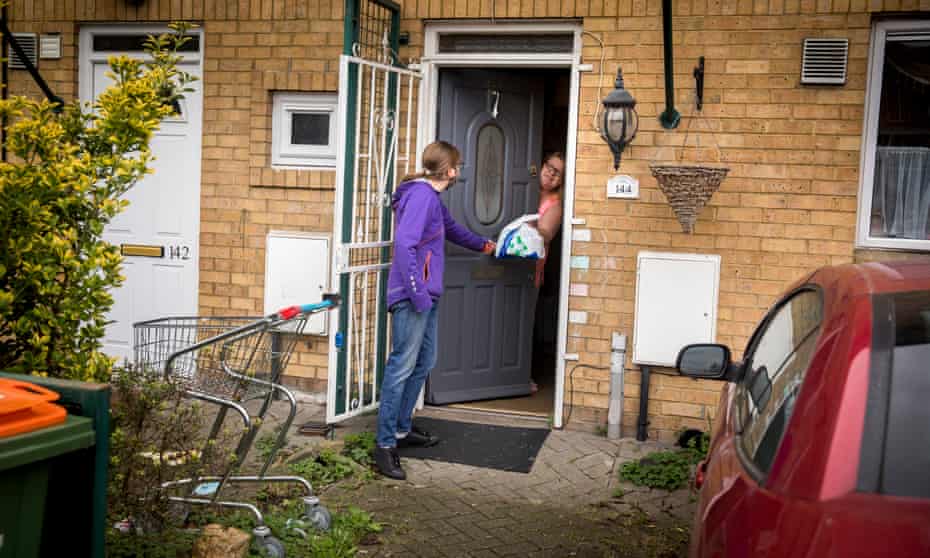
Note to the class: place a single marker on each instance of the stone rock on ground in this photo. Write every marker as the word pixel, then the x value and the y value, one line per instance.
pixel 221 542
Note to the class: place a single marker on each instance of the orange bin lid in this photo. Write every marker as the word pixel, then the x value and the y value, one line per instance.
pixel 25 407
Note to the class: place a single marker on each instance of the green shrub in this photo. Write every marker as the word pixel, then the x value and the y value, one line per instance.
pixel 174 543
pixel 359 447
pixel 349 528
pixel 266 443
pixel 324 469
pixel 64 183
pixel 668 470
pixel 156 437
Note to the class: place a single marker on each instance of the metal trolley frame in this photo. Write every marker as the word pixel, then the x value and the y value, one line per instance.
pixel 230 362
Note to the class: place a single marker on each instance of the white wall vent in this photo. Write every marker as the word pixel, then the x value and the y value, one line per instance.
pixel 50 46
pixel 29 42
pixel 824 61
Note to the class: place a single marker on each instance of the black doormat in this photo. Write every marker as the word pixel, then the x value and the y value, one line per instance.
pixel 480 445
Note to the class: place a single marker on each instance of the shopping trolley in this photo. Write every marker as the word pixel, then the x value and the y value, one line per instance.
pixel 232 362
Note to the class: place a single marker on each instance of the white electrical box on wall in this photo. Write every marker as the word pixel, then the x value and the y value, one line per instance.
pixel 297 272
pixel 676 304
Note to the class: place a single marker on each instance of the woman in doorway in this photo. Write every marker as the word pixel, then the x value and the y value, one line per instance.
pixel 422 225
pixel 550 220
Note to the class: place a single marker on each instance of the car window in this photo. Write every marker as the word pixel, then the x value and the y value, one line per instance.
pixel 775 366
pixel 901 377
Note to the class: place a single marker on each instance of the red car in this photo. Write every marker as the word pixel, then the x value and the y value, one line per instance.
pixel 822 442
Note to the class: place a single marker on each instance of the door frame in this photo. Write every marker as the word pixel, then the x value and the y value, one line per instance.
pixel 87 58
pixel 433 61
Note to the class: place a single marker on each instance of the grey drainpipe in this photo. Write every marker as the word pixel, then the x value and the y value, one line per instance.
pixel 670 118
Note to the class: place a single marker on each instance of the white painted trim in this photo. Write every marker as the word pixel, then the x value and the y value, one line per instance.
pixel 432 61
pixel 503 60
pixel 87 32
pixel 87 56
pixel 870 137
pixel 568 220
pixel 286 154
pixel 332 352
pixel 433 29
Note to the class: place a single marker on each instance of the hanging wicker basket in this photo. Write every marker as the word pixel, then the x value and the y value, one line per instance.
pixel 688 188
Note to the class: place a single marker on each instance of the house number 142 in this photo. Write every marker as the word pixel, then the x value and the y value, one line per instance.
pixel 179 252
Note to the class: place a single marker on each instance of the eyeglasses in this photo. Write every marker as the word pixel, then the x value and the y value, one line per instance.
pixel 552 170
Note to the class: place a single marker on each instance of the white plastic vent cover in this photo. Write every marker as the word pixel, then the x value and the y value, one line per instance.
pixel 824 61
pixel 29 42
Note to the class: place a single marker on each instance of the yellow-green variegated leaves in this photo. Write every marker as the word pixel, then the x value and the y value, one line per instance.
pixel 68 168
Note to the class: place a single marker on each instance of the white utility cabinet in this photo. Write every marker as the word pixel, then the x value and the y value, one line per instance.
pixel 297 272
pixel 676 304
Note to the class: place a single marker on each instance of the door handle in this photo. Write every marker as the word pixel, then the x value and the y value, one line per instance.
pixel 533 170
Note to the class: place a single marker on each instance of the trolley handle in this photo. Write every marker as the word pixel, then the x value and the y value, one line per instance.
pixel 329 301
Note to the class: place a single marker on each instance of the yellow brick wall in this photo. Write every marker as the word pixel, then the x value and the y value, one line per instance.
pixel 251 48
pixel 788 204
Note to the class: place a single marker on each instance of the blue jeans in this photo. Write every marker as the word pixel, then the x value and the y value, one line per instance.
pixel 413 356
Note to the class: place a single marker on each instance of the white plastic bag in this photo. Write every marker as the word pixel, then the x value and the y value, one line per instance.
pixel 520 239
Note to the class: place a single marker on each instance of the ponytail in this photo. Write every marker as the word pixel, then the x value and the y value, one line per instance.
pixel 415 176
pixel 438 158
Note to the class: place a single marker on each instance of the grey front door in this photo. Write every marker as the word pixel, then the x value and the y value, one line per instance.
pixel 486 312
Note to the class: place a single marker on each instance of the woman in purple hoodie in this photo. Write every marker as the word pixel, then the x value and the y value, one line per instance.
pixel 422 226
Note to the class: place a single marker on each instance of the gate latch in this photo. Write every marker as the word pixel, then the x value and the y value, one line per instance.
pixel 342 258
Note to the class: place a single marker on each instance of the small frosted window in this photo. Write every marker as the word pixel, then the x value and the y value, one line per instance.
pixel 489 182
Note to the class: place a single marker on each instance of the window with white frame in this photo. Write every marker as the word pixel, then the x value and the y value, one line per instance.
pixel 303 130
pixel 894 210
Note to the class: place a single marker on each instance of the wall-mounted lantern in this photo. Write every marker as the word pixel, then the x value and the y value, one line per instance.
pixel 620 119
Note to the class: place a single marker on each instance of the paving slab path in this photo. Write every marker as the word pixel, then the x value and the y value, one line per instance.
pixel 566 506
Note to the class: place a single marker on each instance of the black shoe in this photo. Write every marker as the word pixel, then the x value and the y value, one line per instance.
pixel 388 463
pixel 417 438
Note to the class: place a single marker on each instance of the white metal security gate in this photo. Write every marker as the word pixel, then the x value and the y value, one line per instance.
pixel 378 110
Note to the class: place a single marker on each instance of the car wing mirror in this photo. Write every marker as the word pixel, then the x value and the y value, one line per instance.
pixel 708 361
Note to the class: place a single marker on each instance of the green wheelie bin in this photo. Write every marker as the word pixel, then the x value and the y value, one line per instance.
pixel 53 478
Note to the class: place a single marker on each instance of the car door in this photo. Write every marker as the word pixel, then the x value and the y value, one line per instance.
pixel 738 515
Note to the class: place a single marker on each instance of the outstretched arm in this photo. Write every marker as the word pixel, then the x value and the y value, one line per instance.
pixel 460 235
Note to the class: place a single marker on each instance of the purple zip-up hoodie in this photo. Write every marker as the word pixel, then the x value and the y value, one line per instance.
pixel 422 225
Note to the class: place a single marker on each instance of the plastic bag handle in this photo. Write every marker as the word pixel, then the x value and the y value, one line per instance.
pixel 525 219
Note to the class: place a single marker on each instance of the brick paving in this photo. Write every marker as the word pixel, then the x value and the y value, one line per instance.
pixel 565 506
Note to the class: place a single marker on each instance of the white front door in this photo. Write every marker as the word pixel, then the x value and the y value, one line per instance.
pixel 158 231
